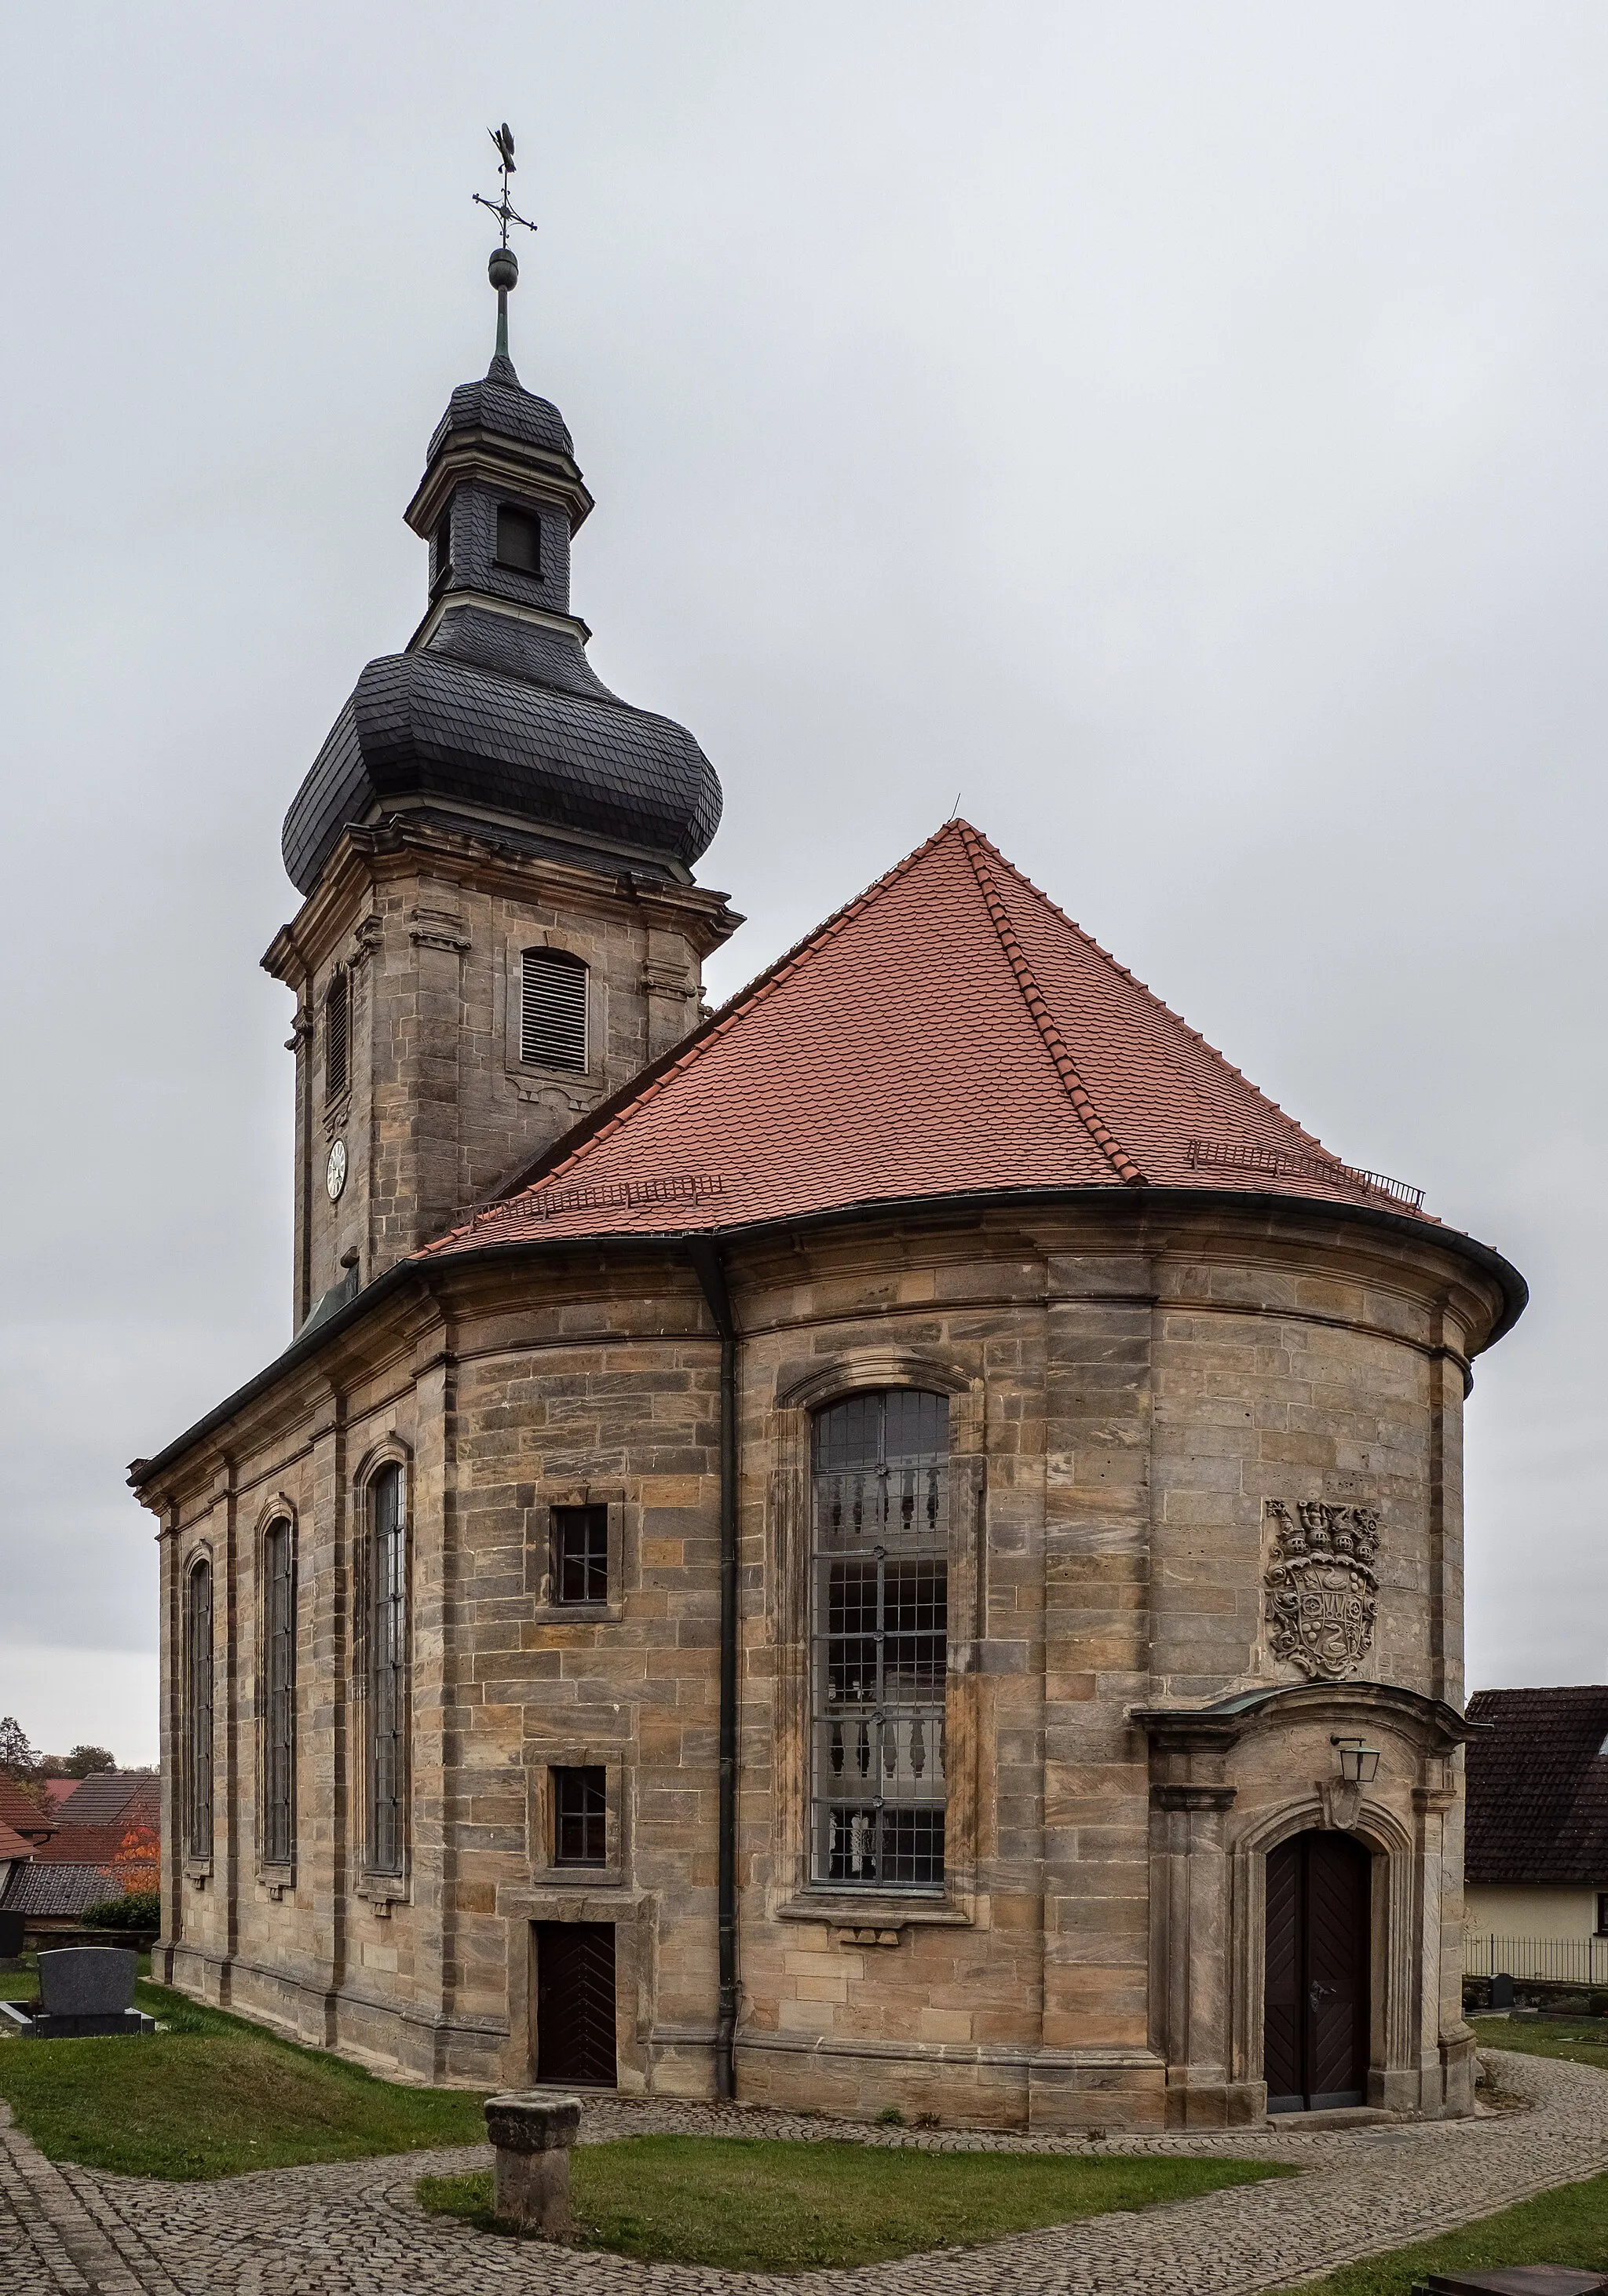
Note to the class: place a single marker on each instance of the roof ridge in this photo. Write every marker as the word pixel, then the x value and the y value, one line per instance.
pixel 1033 997
pixel 719 1025
pixel 1145 989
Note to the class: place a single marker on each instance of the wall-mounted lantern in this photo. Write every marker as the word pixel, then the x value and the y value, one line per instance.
pixel 1359 1762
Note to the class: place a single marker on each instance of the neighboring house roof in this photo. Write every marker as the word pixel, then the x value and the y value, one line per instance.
pixel 1537 1787
pixel 949 1033
pixel 83 1845
pixel 14 1844
pixel 19 1808
pixel 56 1790
pixel 105 1796
pixel 51 1891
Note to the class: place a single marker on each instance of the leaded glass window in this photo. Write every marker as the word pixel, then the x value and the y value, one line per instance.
pixel 279 1750
pixel 198 1711
pixel 387 1670
pixel 878 1597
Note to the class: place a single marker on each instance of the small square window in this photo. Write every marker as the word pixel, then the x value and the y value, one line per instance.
pixel 581 1828
pixel 580 1555
pixel 519 542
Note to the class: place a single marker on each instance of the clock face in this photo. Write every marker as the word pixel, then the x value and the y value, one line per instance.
pixel 334 1171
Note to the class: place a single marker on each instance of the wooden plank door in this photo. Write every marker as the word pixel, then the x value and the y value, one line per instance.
pixel 575 2004
pixel 1315 2032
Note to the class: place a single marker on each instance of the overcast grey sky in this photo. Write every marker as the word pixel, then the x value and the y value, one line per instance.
pixel 1178 428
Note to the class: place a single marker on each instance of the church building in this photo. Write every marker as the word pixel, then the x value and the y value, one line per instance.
pixel 898 1544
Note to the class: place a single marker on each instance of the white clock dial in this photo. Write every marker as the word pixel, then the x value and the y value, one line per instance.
pixel 334 1171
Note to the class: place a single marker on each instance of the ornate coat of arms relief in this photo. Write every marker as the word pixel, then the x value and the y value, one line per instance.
pixel 1321 1590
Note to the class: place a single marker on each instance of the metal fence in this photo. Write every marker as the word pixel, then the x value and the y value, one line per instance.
pixel 1544 1961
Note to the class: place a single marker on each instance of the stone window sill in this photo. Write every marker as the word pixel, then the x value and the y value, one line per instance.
pixel 584 1877
pixel 876 1910
pixel 576 1614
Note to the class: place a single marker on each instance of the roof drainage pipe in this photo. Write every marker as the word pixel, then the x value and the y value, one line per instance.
pixel 710 1271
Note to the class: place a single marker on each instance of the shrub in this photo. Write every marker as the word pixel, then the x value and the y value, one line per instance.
pixel 141 1909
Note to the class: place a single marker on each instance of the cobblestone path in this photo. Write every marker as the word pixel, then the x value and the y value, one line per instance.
pixel 354 2228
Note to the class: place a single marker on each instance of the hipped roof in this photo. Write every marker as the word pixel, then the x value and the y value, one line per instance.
pixel 1537 1787
pixel 950 1032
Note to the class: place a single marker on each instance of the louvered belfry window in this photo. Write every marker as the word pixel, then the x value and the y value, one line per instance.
pixel 879 1654
pixel 387 1670
pixel 198 1711
pixel 552 1009
pixel 337 1037
pixel 279 1669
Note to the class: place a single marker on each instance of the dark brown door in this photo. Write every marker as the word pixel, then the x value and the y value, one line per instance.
pixel 575 2003
pixel 1316 2029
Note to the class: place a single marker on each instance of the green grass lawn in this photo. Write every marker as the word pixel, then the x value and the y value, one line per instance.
pixel 1567 2226
pixel 1581 2044
pixel 768 2206
pixel 213 2096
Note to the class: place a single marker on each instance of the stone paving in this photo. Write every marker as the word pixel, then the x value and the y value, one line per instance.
pixel 354 2229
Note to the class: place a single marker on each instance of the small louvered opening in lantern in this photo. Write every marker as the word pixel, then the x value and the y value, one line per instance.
pixel 337 1037
pixel 553 1010
pixel 519 541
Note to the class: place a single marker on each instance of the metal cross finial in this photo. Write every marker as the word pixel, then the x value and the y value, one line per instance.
pixel 504 269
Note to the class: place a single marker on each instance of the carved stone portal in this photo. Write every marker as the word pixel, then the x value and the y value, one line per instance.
pixel 1322 1591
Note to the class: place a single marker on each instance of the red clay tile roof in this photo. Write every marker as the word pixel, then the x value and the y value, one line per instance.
pixel 1537 1787
pixel 949 1033
pixel 83 1845
pixel 18 1807
pixel 14 1844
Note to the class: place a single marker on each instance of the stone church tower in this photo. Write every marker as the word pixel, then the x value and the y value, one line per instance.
pixel 898 1544
pixel 500 925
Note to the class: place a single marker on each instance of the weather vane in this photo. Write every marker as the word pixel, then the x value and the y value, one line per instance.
pixel 504 269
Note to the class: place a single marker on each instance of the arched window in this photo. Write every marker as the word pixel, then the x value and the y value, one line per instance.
pixel 386 1670
pixel 337 1038
pixel 552 1009
pixel 879 1640
pixel 279 1702
pixel 198 1711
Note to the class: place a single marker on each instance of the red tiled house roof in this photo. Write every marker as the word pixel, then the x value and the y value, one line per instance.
pixel 949 1033
pixel 19 1808
pixel 80 1845
pixel 108 1796
pixel 1537 1788
pixel 14 1844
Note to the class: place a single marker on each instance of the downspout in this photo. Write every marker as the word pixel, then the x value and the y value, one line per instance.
pixel 710 1271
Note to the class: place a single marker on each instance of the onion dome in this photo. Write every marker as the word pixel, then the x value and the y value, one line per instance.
pixel 492 717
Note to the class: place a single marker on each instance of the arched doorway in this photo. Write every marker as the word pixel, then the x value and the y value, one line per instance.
pixel 1314 2051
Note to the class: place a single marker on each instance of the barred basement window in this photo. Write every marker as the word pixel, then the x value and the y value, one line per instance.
pixel 519 541
pixel 579 1817
pixel 580 1555
pixel 198 1711
pixel 387 1670
pixel 279 1748
pixel 337 1037
pixel 880 1640
pixel 552 1009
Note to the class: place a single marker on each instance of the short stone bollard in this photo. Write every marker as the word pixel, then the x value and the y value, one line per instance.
pixel 531 2134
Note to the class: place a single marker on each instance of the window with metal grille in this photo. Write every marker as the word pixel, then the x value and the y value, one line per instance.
pixel 580 1817
pixel 879 1600
pixel 580 1555
pixel 387 1670
pixel 552 1009
pixel 198 1711
pixel 519 541
pixel 337 1037
pixel 279 1653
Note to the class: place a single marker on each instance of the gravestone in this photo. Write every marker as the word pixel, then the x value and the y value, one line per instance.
pixel 1502 1991
pixel 1514 2280
pixel 530 2135
pixel 10 1936
pixel 87 1991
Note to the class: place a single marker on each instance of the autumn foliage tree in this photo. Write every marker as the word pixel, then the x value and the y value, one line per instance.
pixel 139 1860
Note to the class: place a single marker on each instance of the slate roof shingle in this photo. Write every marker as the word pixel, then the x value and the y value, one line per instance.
pixel 950 1031
pixel 106 1795
pixel 1537 1787
pixel 57 1891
